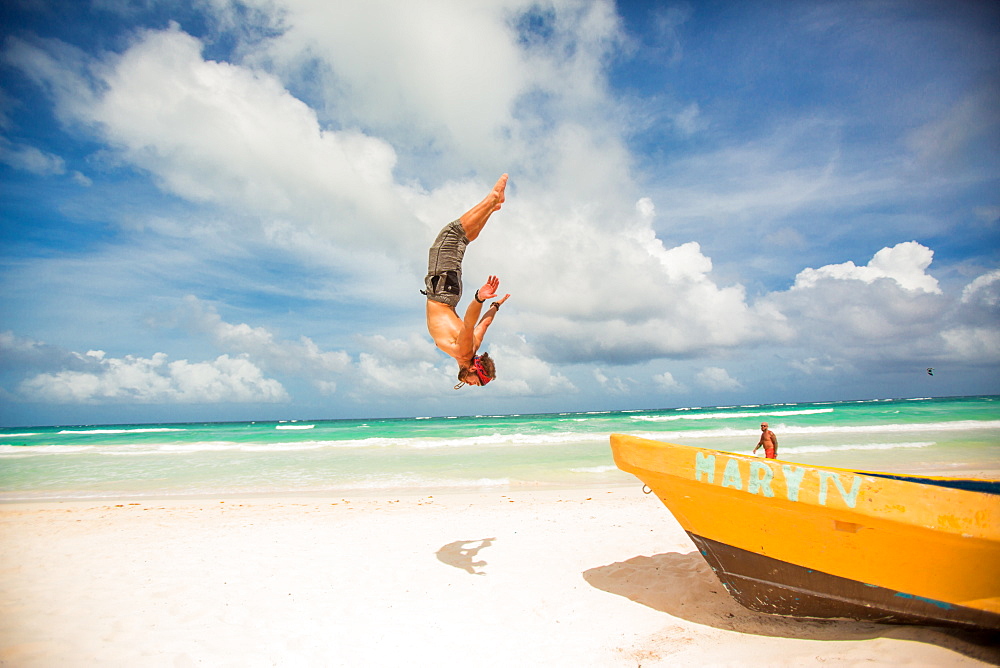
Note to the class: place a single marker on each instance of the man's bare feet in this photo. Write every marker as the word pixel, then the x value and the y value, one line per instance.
pixel 498 192
pixel 475 218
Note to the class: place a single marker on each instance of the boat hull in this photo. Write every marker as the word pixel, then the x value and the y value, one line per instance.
pixel 768 585
pixel 822 542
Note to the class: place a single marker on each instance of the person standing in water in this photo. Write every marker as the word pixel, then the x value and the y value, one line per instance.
pixel 461 337
pixel 769 441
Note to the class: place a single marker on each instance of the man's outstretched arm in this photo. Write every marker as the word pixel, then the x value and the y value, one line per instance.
pixel 487 320
pixel 466 338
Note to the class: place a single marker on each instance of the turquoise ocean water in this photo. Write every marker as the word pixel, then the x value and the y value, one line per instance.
pixel 950 436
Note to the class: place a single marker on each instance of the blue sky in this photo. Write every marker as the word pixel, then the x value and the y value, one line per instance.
pixel 215 210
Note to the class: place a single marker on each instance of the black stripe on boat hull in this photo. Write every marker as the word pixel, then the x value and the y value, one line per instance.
pixel 982 486
pixel 764 584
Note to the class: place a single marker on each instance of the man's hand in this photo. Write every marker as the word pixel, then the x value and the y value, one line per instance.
pixel 489 289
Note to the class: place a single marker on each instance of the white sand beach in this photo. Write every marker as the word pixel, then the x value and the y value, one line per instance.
pixel 602 577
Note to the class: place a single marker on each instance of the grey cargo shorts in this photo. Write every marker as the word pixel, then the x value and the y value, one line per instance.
pixel 444 265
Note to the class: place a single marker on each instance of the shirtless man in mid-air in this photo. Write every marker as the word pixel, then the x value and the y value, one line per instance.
pixel 461 337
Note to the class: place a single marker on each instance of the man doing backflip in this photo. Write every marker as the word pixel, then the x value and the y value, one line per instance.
pixel 461 337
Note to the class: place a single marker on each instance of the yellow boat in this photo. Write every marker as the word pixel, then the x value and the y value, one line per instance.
pixel 814 541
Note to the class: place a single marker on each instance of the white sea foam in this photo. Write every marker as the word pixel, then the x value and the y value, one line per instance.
pixel 498 439
pixel 138 430
pixel 294 426
pixel 231 446
pixel 169 448
pixel 283 447
pixel 374 484
pixel 29 451
pixel 780 429
pixel 728 416
pixel 412 482
pixel 146 449
pixel 814 449
pixel 957 425
pixel 495 439
pixel 594 469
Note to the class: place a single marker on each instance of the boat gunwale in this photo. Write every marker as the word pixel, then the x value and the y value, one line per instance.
pixel 966 484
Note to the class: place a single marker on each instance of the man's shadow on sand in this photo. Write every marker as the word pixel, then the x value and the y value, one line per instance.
pixel 461 554
pixel 684 586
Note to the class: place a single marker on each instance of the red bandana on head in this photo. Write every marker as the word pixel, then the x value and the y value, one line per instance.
pixel 477 366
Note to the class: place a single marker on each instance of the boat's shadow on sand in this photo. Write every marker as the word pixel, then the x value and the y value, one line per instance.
pixel 684 586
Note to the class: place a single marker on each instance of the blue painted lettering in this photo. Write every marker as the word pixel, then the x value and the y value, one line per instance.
pixel 793 480
pixel 760 479
pixel 731 476
pixel 762 476
pixel 704 464
pixel 850 498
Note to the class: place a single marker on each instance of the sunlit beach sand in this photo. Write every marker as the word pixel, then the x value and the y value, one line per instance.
pixel 582 577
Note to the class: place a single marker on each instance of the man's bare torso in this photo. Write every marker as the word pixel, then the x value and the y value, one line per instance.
pixel 444 326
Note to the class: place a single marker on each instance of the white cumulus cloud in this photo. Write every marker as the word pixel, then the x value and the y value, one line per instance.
pixel 905 263
pixel 665 382
pixel 717 379
pixel 984 289
pixel 155 380
pixel 302 358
